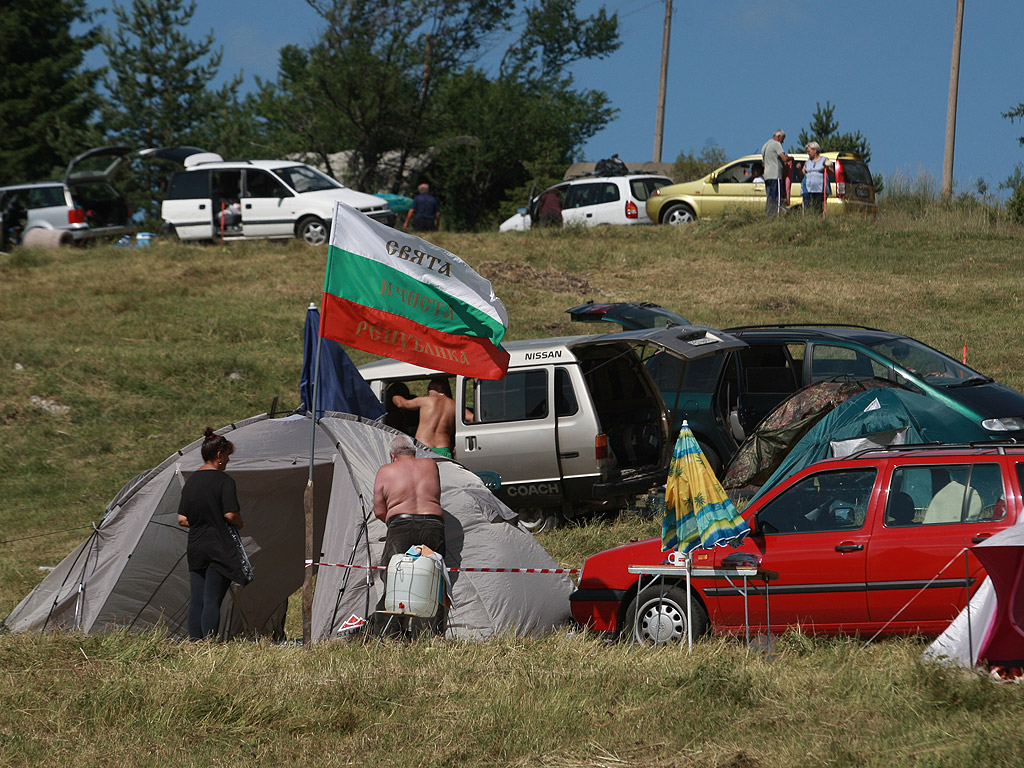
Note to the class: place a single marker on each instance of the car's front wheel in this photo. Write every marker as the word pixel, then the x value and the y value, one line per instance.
pixel 678 214
pixel 312 231
pixel 661 616
pixel 538 520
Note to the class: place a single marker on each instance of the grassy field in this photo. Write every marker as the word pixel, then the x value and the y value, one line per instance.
pixel 112 358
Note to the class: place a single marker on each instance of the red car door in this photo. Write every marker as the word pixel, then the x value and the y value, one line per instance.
pixel 814 533
pixel 918 575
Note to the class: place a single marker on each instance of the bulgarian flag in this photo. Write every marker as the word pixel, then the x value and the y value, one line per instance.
pixel 395 295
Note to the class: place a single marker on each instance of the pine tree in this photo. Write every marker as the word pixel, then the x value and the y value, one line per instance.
pixel 158 80
pixel 46 97
pixel 824 129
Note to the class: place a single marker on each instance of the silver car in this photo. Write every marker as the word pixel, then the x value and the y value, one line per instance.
pixel 576 424
pixel 83 202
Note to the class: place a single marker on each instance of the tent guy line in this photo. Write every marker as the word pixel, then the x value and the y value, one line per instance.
pixel 455 570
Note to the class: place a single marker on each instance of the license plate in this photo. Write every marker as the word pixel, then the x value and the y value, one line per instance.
pixel 861 192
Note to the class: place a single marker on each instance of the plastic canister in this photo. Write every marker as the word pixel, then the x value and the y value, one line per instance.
pixel 143 239
pixel 414 586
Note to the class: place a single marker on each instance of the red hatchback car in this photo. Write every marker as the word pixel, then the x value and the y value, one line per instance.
pixel 868 543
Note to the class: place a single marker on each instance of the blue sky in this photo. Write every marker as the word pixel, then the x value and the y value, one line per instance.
pixel 738 69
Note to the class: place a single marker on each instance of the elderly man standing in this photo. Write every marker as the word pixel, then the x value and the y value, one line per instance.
pixel 407 498
pixel 774 158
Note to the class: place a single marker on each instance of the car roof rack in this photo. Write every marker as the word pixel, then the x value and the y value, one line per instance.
pixel 999 445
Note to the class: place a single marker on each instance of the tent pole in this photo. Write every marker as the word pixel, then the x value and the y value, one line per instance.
pixel 967 582
pixel 307 504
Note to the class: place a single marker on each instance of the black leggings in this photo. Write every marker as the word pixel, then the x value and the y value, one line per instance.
pixel 208 589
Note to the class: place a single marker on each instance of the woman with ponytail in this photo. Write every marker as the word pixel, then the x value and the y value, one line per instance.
pixel 209 504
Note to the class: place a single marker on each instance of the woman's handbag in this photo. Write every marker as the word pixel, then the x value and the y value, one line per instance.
pixel 246 566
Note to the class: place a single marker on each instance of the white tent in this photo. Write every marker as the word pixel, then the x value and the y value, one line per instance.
pixel 991 627
pixel 132 572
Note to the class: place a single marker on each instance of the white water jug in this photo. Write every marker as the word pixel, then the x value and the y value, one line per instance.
pixel 414 586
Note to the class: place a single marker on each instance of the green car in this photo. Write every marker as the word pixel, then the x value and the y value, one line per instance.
pixel 738 186
pixel 724 396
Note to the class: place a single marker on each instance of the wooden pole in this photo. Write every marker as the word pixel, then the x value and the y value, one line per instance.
pixel 659 127
pixel 954 79
pixel 307 508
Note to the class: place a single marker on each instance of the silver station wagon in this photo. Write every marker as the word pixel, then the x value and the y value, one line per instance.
pixel 576 425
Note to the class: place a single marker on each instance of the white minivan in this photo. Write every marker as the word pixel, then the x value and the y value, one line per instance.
pixel 254 199
pixel 576 424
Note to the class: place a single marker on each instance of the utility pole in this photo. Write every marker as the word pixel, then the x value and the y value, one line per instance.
pixel 954 79
pixel 659 127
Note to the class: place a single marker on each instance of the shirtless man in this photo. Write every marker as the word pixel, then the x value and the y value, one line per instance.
pixel 407 497
pixel 437 416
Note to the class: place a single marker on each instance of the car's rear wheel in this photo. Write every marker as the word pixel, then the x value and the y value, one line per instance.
pixel 538 520
pixel 678 214
pixel 661 616
pixel 711 456
pixel 312 231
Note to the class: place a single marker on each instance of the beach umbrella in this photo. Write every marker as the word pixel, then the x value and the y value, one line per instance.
pixel 698 513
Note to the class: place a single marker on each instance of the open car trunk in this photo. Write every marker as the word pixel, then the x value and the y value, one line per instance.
pixel 630 409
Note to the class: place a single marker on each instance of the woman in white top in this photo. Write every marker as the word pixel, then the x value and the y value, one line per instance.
pixel 813 185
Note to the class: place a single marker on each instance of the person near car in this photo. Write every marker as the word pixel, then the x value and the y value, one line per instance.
pixel 549 209
pixel 774 158
pixel 209 504
pixel 436 411
pixel 407 498
pixel 813 185
pixel 425 213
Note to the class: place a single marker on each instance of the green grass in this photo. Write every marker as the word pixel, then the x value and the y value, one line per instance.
pixel 145 347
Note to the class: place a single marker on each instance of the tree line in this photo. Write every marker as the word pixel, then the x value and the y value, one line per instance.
pixel 390 81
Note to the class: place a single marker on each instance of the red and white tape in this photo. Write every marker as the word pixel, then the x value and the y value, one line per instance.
pixel 310 563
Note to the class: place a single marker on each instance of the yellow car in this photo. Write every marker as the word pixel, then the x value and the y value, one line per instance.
pixel 737 186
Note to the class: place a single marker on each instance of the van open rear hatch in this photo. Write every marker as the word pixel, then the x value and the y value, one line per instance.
pixel 632 414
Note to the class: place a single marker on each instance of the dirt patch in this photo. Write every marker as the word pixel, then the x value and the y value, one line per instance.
pixel 545 279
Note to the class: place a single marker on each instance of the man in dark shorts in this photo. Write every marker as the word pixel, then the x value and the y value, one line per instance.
pixel 425 213
pixel 407 497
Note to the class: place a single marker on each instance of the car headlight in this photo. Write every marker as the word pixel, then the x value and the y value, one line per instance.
pixel 1005 424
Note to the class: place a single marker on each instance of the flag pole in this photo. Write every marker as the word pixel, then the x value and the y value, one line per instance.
pixel 307 505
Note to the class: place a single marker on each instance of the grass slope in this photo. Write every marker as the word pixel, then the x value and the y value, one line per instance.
pixel 112 358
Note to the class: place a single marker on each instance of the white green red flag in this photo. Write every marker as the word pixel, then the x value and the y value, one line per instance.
pixel 396 295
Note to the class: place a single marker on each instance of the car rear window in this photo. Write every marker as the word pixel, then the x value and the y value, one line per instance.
pixel 46 197
pixel 856 172
pixel 580 195
pixel 189 185
pixel 947 493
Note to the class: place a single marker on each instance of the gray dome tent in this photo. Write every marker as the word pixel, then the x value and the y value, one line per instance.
pixel 132 572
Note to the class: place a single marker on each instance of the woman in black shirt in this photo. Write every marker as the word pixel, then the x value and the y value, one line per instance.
pixel 209 504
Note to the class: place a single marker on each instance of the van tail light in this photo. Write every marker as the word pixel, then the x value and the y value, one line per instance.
pixel 601 447
pixel 76 216
pixel 631 212
pixel 840 180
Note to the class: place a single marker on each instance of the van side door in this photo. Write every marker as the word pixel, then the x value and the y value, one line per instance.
pixel 268 208
pixel 188 206
pixel 508 427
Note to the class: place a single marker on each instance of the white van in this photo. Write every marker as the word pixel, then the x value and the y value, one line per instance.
pixel 254 199
pixel 575 425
